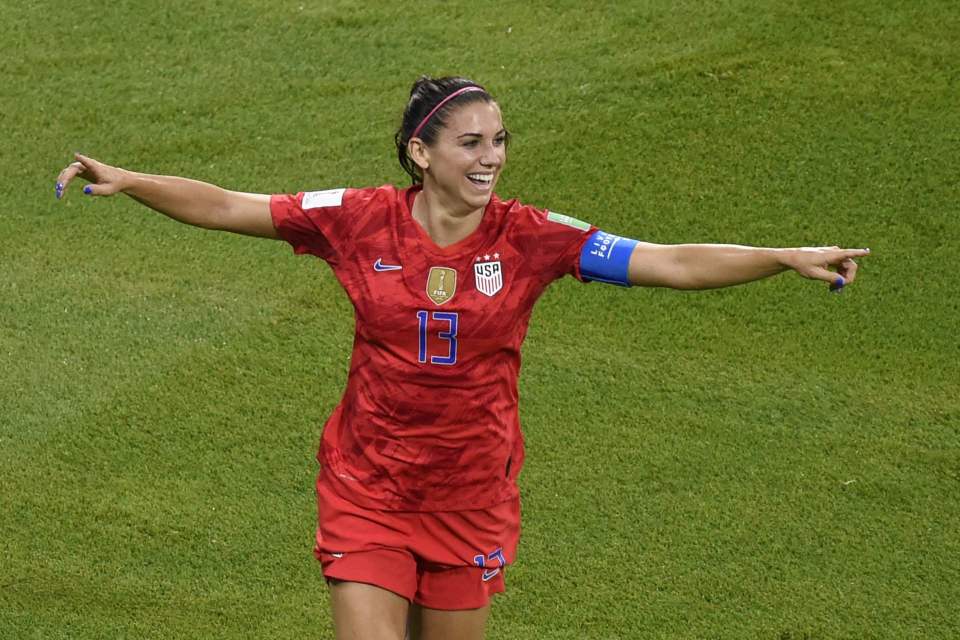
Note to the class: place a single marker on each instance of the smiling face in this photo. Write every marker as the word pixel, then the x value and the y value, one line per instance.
pixel 463 164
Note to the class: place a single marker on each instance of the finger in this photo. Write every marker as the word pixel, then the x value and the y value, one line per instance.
pixel 848 269
pixel 66 176
pixel 846 273
pixel 87 162
pixel 69 172
pixel 817 272
pixel 847 254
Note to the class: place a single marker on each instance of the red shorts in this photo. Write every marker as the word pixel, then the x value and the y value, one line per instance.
pixel 441 560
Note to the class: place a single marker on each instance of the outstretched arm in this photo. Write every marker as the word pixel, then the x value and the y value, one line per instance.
pixel 709 266
pixel 189 201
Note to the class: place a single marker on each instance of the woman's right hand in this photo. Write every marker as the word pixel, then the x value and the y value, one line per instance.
pixel 188 201
pixel 104 179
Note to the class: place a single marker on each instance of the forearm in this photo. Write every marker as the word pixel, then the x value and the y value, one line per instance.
pixel 702 266
pixel 189 201
pixel 710 266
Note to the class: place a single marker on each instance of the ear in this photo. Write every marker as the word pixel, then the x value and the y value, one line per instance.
pixel 419 153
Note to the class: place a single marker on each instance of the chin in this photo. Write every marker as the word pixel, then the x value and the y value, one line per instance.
pixel 479 201
pixel 474 200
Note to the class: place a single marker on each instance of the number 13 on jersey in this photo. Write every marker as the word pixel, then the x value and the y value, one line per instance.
pixel 447 333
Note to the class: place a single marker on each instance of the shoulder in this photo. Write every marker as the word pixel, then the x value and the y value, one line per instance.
pixel 376 198
pixel 348 204
pixel 333 208
pixel 525 218
pixel 346 196
pixel 549 242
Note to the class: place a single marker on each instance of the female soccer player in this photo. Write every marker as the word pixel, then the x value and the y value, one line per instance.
pixel 417 491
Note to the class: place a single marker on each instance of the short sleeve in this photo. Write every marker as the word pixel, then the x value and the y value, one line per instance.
pixel 554 243
pixel 314 222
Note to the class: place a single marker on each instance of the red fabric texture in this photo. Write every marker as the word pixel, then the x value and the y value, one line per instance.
pixel 422 427
pixel 432 559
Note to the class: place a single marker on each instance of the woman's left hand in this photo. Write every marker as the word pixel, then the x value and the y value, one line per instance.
pixel 815 263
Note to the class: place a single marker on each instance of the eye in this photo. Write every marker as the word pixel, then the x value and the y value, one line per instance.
pixel 499 140
pixel 470 143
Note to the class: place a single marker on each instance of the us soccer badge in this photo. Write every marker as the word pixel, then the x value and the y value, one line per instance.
pixel 488 275
pixel 441 284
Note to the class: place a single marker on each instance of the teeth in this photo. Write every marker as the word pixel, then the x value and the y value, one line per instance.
pixel 481 177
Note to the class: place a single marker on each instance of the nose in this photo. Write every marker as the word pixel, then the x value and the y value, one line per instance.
pixel 492 155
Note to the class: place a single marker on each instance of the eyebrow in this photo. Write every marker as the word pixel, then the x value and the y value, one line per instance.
pixel 479 135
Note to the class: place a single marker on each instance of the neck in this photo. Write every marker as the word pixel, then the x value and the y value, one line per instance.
pixel 443 221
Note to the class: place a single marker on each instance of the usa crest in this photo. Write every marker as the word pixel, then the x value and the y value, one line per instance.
pixel 489 277
pixel 441 284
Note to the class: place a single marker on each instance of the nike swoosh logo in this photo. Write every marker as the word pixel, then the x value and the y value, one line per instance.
pixel 490 574
pixel 379 266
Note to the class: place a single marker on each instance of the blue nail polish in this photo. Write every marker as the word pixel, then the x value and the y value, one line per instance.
pixel 88 189
pixel 59 190
pixel 837 285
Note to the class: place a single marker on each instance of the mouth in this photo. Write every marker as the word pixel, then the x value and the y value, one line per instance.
pixel 481 180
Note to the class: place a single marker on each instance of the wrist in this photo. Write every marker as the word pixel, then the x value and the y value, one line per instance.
pixel 783 258
pixel 126 180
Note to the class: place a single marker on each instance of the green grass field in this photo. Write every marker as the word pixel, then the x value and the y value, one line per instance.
pixel 768 461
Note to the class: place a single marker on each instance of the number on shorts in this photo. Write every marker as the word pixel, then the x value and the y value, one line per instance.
pixel 490 563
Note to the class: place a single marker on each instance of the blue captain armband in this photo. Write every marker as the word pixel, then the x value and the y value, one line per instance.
pixel 606 258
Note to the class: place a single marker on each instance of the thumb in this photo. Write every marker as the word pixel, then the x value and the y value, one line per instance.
pixel 93 189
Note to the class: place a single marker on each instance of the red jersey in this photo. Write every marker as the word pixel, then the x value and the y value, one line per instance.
pixel 429 419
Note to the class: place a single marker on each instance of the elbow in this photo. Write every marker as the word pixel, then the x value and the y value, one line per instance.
pixel 220 213
pixel 214 222
pixel 683 282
